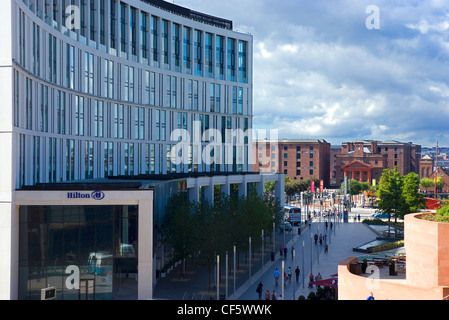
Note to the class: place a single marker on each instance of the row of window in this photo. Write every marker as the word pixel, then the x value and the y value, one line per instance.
pixel 46 159
pixel 127 32
pixel 94 75
pixel 47 109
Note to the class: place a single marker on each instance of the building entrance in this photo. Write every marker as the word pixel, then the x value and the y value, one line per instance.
pixel 87 252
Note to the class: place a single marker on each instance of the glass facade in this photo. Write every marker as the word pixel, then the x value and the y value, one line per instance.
pixel 86 252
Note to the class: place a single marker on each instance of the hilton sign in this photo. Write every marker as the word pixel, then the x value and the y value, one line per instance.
pixel 96 195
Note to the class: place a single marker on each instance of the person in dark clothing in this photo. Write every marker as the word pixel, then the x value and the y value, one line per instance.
pixel 297 272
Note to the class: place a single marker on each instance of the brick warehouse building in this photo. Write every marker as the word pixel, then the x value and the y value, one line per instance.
pixel 365 160
pixel 296 158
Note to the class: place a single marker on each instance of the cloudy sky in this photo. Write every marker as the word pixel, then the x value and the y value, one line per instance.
pixel 319 72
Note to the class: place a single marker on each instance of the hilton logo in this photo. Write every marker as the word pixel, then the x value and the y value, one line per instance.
pixel 96 195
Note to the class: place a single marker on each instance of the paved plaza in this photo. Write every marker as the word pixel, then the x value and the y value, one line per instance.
pixel 341 241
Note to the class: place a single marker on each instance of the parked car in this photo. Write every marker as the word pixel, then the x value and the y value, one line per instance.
pixel 382 215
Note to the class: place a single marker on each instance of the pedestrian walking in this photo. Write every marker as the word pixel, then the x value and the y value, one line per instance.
pixel 311 279
pixel 321 239
pixel 285 252
pixel 315 238
pixel 289 273
pixel 259 289
pixel 297 272
pixel 273 295
pixel 276 276
pixel 358 217
pixel 293 250
pixel 326 248
pixel 370 297
pixel 267 295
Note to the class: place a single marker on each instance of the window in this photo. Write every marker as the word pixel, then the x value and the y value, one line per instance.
pixel 212 97
pixel 160 125
pixel 234 100
pixel 89 160
pixel 70 67
pixel 197 53
pixel 186 50
pixel 128 82
pixel 52 160
pixel 102 22
pixel 108 81
pixel 52 58
pixel 195 95
pixel 154 42
pixel 285 155
pixel 231 59
pixel 79 116
pixel 44 109
pixel 122 27
pixel 88 73
pixel 164 44
pixel 139 122
pixel 143 35
pixel 29 104
pixel 70 159
pixel 243 61
pixel 217 98
pixel 118 121
pixel 298 172
pixel 36 159
pixel 108 159
pixel 240 101
pixel 98 118
pixel 112 21
pixel 61 114
pixel 36 50
pixel 209 69
pixel 133 30
pixel 176 47
pixel 219 59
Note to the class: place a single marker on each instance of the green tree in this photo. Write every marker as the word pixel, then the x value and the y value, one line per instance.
pixel 390 197
pixel 413 198
pixel 426 183
pixel 179 228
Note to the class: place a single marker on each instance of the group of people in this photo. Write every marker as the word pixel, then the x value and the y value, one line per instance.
pixel 313 279
pixel 287 277
pixel 322 238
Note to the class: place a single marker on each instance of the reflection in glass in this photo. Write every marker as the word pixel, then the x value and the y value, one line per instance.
pixel 99 241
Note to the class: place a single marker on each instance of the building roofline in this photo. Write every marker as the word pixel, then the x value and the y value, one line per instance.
pixel 190 14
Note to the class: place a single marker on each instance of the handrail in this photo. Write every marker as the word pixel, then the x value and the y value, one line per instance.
pixel 446 297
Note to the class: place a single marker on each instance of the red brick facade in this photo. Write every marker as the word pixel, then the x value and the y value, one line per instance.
pixel 297 159
pixel 365 160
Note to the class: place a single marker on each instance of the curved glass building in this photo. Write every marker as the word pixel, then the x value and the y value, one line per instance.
pixel 99 98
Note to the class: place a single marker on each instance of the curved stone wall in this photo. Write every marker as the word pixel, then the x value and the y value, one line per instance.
pixel 427 272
